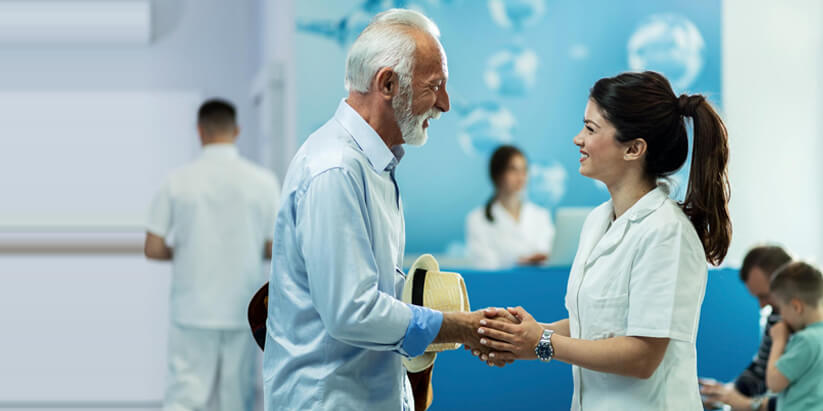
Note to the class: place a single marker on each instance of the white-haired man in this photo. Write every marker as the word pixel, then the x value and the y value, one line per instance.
pixel 336 330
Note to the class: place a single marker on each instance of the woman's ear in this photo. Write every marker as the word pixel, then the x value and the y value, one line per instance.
pixel 635 149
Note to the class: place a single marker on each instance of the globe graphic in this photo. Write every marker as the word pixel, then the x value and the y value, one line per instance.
pixel 547 183
pixel 511 72
pixel 343 31
pixel 516 14
pixel 483 127
pixel 669 44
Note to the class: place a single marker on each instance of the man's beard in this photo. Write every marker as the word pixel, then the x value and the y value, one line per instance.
pixel 411 126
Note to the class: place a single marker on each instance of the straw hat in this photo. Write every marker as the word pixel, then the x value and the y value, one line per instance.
pixel 427 286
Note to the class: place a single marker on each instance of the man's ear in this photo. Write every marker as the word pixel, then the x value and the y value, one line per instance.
pixel 635 149
pixel 386 82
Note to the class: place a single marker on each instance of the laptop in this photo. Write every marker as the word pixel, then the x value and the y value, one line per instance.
pixel 568 222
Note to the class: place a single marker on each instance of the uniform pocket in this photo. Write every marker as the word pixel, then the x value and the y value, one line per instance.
pixel 604 317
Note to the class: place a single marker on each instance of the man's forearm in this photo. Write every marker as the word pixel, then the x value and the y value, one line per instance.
pixel 456 328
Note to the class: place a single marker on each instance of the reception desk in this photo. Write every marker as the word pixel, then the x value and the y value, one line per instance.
pixel 94 335
pixel 727 339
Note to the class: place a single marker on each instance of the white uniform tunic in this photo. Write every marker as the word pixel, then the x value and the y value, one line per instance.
pixel 500 243
pixel 644 275
pixel 216 213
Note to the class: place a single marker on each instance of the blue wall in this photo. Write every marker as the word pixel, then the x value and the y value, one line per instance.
pixel 520 71
pixel 728 337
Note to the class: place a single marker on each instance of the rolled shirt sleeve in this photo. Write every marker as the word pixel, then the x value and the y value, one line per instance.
pixel 158 221
pixel 345 286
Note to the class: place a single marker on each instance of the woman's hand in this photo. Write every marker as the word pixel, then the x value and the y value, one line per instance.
pixel 511 341
pixel 534 259
pixel 482 352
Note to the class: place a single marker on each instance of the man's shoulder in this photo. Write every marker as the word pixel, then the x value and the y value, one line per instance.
pixel 330 147
pixel 257 174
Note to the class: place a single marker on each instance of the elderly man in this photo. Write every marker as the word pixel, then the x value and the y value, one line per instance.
pixel 336 331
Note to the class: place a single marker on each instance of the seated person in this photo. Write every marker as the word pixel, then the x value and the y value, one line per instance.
pixel 508 230
pixel 795 369
pixel 749 389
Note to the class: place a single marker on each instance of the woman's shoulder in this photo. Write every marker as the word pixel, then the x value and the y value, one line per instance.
pixel 535 210
pixel 669 221
pixel 476 216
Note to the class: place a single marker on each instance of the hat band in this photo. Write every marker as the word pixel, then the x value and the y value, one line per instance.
pixel 418 285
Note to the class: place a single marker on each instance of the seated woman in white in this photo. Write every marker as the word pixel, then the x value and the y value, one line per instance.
pixel 508 231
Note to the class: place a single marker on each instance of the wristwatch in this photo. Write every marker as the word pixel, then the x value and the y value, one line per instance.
pixel 757 402
pixel 544 348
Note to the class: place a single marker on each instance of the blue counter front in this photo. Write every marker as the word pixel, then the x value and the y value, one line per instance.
pixel 727 339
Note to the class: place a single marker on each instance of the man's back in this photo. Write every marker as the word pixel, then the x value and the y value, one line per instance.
pixel 217 213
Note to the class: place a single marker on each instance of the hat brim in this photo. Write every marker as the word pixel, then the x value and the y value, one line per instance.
pixel 258 313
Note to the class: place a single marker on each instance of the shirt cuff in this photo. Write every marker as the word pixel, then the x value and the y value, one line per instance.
pixel 424 325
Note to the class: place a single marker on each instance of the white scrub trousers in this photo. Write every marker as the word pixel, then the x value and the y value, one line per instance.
pixel 201 360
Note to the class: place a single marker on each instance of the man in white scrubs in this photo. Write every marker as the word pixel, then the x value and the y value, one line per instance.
pixel 213 219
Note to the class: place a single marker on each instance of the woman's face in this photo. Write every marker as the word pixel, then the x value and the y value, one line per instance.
pixel 601 155
pixel 514 177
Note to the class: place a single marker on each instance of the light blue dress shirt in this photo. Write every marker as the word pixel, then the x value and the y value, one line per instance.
pixel 336 328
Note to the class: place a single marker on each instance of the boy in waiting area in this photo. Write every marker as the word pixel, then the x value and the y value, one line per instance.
pixel 795 369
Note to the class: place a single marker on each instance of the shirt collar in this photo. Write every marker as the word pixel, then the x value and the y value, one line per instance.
pixel 379 156
pixel 648 203
pixel 220 150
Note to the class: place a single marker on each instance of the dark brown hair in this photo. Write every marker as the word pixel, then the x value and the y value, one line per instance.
pixel 798 280
pixel 766 257
pixel 217 116
pixel 643 105
pixel 498 164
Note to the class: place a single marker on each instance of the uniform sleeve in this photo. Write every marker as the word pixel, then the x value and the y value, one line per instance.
pixel 548 231
pixel 666 286
pixel 342 272
pixel 159 216
pixel 794 362
pixel 479 245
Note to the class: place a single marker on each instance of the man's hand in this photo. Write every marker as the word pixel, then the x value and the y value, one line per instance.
pixel 155 248
pixel 510 341
pixel 463 327
pixel 716 393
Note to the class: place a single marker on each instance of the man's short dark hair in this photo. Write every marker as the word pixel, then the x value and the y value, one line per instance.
pixel 798 280
pixel 217 116
pixel 766 257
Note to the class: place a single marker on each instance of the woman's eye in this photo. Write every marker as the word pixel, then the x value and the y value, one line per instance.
pixel 591 130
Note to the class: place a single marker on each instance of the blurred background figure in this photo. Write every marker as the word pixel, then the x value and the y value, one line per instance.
pixel 508 230
pixel 213 219
pixel 749 391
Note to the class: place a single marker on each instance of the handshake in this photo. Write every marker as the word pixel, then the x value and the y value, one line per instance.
pixel 496 336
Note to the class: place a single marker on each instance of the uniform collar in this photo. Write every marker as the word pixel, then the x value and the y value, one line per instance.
pixel 369 142
pixel 647 204
pixel 603 241
pixel 220 150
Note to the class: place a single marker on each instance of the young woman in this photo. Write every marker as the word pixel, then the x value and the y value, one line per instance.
pixel 508 230
pixel 638 280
